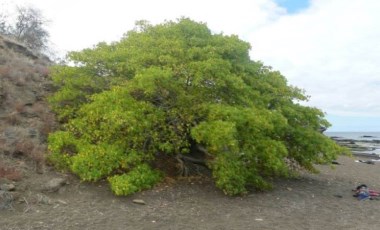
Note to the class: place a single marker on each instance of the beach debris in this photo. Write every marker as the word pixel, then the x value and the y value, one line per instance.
pixel 43 199
pixel 338 196
pixel 139 201
pixel 62 202
pixel 259 219
pixel 7 187
pixel 370 162
pixel 362 192
pixel 54 184
pixel 335 162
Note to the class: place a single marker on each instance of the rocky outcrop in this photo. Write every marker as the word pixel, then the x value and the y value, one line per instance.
pixel 362 147
pixel 18 48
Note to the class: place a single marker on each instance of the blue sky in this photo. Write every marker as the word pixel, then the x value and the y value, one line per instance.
pixel 329 48
pixel 293 6
pixel 340 123
pixel 352 124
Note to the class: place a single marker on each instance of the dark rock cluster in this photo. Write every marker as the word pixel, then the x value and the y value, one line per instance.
pixel 366 146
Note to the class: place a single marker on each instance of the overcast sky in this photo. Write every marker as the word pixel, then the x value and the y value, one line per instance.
pixel 330 48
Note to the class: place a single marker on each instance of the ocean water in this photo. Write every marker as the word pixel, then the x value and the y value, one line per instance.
pixel 359 136
pixel 369 140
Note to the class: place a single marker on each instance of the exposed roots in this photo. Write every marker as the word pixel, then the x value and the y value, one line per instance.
pixel 188 166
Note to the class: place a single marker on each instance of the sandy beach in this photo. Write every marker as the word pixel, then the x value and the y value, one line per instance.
pixel 313 201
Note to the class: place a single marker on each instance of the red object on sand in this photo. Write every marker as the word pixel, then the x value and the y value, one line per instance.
pixel 373 193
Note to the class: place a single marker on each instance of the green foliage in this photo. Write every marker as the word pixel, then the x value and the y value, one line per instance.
pixel 165 90
pixel 62 145
pixel 240 160
pixel 141 177
pixel 97 161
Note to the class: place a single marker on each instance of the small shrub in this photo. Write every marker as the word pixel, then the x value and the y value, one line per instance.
pixel 5 71
pixel 3 59
pixel 10 173
pixel 37 154
pixel 6 98
pixel 13 119
pixel 96 161
pixel 19 107
pixel 20 81
pixel 139 178
pixel 60 161
pixel 61 147
pixel 43 71
pixel 39 109
pixel 47 125
pixel 24 147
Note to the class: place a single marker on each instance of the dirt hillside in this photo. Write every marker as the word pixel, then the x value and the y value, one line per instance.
pixel 25 117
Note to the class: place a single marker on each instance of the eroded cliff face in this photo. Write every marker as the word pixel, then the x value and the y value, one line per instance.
pixel 25 118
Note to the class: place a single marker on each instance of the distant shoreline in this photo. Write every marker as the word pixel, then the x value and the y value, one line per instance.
pixel 365 144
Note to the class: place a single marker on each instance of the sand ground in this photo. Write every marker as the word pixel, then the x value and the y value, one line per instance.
pixel 313 201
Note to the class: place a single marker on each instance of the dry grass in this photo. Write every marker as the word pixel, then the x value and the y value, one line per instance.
pixel 43 71
pixel 19 107
pixel 3 58
pixel 13 119
pixel 5 71
pixel 20 81
pixel 40 109
pixel 26 118
pixel 32 151
pixel 24 147
pixel 38 155
pixel 47 126
pixel 5 94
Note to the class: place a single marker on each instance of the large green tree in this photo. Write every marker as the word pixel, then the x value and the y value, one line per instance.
pixel 176 93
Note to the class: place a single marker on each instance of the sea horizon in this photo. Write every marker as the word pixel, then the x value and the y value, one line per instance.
pixel 356 135
pixel 369 140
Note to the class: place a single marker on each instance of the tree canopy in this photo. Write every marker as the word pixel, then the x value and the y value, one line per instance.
pixel 28 27
pixel 176 93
